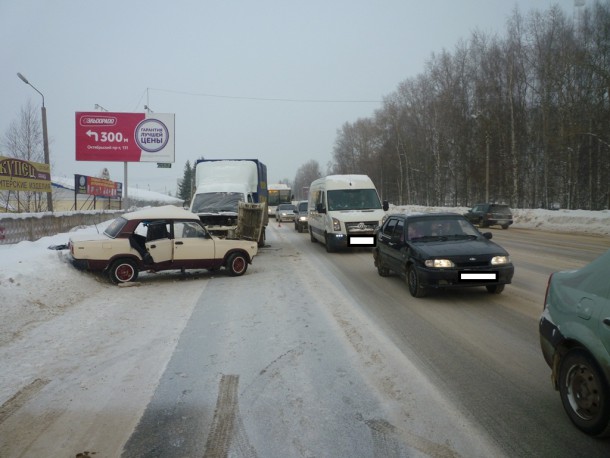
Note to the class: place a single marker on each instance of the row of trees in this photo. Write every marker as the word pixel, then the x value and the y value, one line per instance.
pixel 523 119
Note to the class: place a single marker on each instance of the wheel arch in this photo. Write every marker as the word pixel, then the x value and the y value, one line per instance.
pixel 119 257
pixel 233 251
pixel 565 347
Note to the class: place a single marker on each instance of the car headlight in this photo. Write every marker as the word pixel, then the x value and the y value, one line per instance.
pixel 336 225
pixel 499 260
pixel 439 263
pixel 302 218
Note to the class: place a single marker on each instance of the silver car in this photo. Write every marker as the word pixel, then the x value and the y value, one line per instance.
pixel 301 216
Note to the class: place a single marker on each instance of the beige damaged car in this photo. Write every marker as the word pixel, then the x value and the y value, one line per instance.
pixel 156 239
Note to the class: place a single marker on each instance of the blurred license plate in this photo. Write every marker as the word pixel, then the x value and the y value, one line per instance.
pixel 479 276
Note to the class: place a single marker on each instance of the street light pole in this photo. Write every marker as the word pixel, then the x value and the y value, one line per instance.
pixel 45 139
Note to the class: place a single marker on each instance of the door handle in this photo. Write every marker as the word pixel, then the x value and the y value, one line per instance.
pixel 179 243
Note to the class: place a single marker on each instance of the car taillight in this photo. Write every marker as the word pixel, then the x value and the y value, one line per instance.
pixel 546 293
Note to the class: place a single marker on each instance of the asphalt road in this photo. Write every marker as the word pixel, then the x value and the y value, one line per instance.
pixel 268 384
pixel 483 350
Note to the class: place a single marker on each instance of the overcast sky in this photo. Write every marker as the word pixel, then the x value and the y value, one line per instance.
pixel 266 79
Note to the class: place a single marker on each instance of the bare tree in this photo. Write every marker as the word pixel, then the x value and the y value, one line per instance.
pixel 23 140
pixel 306 173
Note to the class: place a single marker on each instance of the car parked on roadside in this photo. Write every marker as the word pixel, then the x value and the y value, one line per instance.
pixel 285 212
pixel 440 250
pixel 156 239
pixel 485 215
pixel 301 216
pixel 575 339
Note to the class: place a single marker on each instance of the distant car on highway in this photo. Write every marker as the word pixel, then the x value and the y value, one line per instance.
pixel 488 214
pixel 285 212
pixel 156 239
pixel 301 216
pixel 575 340
pixel 440 250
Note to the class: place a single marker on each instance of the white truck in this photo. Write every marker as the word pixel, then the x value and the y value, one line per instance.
pixel 220 186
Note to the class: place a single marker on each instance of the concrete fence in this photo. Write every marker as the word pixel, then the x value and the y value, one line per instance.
pixel 15 228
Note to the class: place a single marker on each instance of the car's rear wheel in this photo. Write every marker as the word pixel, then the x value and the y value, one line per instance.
pixel 237 264
pixel 414 283
pixel 495 289
pixel 585 393
pixel 505 226
pixel 122 271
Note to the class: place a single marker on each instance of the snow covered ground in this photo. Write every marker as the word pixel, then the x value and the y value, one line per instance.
pixel 40 291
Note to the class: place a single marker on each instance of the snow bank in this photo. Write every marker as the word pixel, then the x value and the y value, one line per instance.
pixel 586 221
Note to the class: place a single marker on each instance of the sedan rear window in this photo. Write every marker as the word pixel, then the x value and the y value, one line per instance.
pixel 115 227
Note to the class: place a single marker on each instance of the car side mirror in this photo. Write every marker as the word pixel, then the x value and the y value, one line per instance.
pixel 320 208
pixel 488 235
pixel 386 206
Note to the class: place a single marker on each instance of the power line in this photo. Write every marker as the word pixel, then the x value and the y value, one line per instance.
pixel 262 99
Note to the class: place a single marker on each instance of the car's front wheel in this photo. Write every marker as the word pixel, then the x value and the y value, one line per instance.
pixel 122 271
pixel 237 264
pixel 585 393
pixel 495 289
pixel 413 283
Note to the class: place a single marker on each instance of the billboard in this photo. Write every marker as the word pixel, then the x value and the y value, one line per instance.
pixel 20 175
pixel 125 137
pixel 98 187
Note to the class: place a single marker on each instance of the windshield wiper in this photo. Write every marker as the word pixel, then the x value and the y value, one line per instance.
pixel 462 236
pixel 428 238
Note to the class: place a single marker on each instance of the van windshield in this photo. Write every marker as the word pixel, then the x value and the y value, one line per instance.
pixel 353 199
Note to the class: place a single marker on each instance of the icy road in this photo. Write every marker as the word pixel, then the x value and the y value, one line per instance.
pixel 307 355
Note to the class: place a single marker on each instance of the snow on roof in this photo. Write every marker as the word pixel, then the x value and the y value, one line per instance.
pixel 341 181
pixel 278 187
pixel 133 193
pixel 164 211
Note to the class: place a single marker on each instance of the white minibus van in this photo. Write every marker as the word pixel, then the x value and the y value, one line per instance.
pixel 344 211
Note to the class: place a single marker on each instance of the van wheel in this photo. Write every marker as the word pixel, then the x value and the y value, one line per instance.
pixel 329 247
pixel 311 237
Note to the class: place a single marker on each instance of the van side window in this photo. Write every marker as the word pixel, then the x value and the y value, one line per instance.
pixel 320 198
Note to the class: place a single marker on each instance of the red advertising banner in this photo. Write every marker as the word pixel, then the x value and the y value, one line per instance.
pixel 97 186
pixel 124 137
